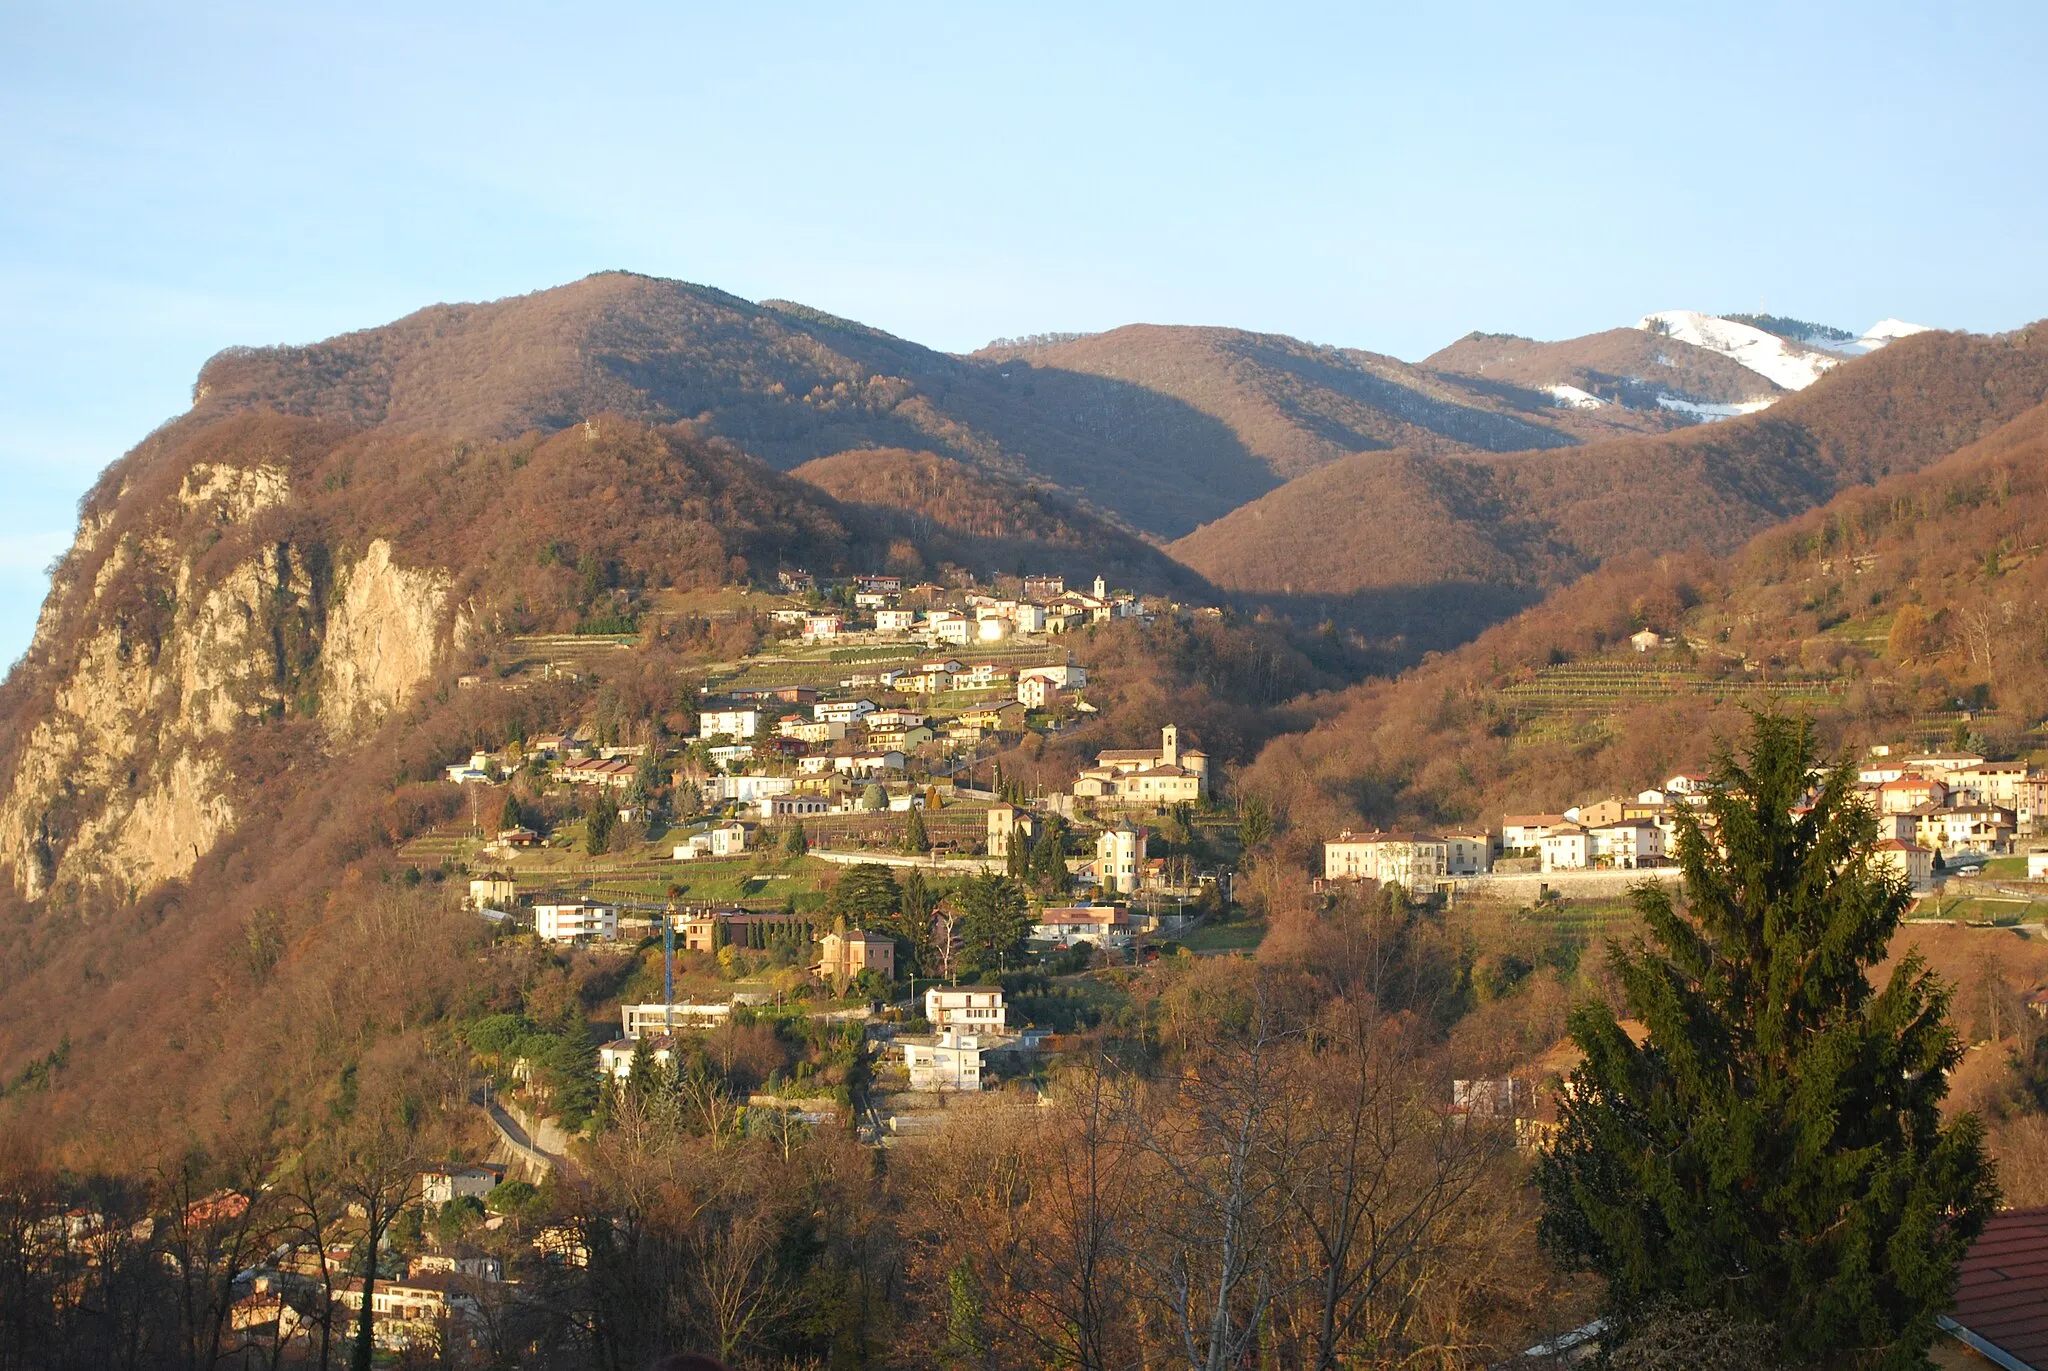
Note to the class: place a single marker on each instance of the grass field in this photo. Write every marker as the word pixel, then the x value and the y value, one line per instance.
pixel 1230 937
pixel 1587 918
pixel 2013 911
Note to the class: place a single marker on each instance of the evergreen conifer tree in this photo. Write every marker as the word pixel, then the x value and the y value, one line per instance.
pixel 798 842
pixel 1774 1150
pixel 914 839
pixel 996 920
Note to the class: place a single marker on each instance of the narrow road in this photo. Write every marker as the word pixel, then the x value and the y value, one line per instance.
pixel 514 1137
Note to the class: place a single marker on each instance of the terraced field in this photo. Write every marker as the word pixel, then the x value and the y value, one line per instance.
pixel 1574 698
pixel 827 668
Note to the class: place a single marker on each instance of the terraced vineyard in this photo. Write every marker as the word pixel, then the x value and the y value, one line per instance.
pixel 828 669
pixel 1568 699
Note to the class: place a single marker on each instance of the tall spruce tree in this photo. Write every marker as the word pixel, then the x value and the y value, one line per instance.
pixel 1774 1150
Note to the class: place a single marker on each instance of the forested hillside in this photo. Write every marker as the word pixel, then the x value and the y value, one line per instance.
pixel 1166 427
pixel 926 507
pixel 1621 366
pixel 1371 529
pixel 1906 611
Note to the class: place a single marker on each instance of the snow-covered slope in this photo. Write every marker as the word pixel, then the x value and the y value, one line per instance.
pixel 1793 364
pixel 1780 360
pixel 1882 332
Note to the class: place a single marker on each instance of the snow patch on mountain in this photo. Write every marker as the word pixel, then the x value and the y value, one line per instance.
pixel 1789 364
pixel 1571 397
pixel 1707 411
pixel 1886 331
pixel 1792 363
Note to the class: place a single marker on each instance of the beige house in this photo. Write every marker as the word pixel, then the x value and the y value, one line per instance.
pixel 843 956
pixel 1910 792
pixel 1526 832
pixel 1164 775
pixel 1909 860
pixel 1985 829
pixel 1468 854
pixel 1008 824
pixel 1411 860
pixel 492 892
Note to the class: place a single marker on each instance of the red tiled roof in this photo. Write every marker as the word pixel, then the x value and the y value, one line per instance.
pixel 2002 1296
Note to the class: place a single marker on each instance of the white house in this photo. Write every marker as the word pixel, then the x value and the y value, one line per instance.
pixel 640 1020
pixel 492 892
pixel 950 1061
pixel 561 923
pixel 1068 677
pixel 842 711
pixel 723 840
pixel 1629 844
pixel 1526 832
pixel 615 1058
pixel 1646 640
pixel 733 723
pixel 1036 692
pixel 747 790
pixel 976 1008
pixel 2037 864
pixel 475 771
pixel 440 1184
pixel 1120 859
pixel 820 628
pixel 894 620
pixel 1566 848
pixel 1088 923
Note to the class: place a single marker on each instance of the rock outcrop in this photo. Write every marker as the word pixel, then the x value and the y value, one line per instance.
pixel 122 782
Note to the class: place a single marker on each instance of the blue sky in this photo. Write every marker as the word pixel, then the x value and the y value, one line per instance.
pixel 180 178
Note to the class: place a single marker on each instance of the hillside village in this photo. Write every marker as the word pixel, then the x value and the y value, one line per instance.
pixel 1936 813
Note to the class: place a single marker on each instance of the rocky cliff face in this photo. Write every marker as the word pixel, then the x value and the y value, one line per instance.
pixel 153 650
pixel 383 633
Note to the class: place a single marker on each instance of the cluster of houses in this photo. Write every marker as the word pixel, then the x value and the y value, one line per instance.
pixel 774 741
pixel 1930 808
pixel 883 607
pixel 970 1036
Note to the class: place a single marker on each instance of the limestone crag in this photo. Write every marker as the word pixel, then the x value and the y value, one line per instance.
pixel 158 655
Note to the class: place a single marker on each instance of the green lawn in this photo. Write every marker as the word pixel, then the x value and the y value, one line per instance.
pixel 2006 868
pixel 1588 918
pixel 1230 937
pixel 2014 911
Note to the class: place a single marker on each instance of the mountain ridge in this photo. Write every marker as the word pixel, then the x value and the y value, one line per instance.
pixel 1709 486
